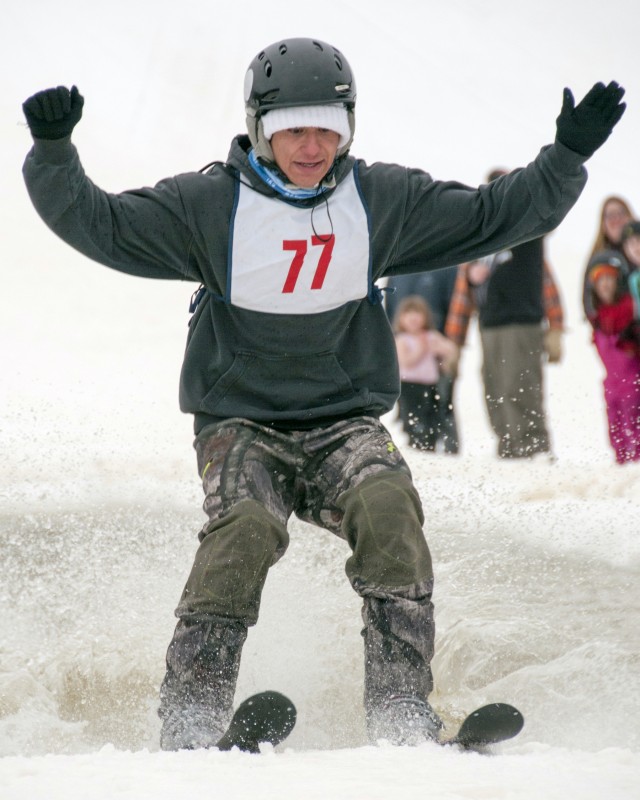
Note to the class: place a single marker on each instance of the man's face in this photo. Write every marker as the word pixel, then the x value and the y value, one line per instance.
pixel 305 155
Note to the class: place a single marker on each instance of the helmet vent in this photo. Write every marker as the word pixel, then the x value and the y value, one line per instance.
pixel 298 72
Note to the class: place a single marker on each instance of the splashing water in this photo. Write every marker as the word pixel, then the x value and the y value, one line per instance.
pixel 535 601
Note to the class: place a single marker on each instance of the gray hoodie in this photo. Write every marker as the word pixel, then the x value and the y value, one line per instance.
pixel 290 331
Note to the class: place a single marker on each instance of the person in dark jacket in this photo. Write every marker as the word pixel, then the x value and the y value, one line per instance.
pixel 520 319
pixel 290 359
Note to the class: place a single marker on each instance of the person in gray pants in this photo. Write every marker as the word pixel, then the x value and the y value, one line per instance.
pixel 290 360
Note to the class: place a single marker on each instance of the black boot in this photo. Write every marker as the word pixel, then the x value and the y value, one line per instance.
pixel 196 696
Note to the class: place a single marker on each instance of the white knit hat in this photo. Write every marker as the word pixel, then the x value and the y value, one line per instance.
pixel 334 117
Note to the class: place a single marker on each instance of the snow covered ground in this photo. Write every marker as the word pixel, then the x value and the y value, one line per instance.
pixel 537 564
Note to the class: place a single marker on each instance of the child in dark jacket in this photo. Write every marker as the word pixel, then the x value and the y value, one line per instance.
pixel 616 335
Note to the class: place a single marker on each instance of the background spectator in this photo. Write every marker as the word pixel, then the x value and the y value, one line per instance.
pixel 436 288
pixel 617 339
pixel 631 252
pixel 515 295
pixel 423 354
pixel 615 213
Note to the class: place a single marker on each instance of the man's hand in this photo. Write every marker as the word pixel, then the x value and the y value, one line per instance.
pixel 583 128
pixel 553 345
pixel 53 113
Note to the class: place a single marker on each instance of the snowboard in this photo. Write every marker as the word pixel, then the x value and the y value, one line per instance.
pixel 490 724
pixel 263 717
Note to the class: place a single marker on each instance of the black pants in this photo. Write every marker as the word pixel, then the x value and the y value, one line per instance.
pixel 420 414
pixel 447 425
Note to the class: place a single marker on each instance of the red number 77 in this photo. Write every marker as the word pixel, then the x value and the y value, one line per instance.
pixel 299 246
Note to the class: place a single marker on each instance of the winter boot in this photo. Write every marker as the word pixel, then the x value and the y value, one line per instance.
pixel 403 720
pixel 398 638
pixel 196 696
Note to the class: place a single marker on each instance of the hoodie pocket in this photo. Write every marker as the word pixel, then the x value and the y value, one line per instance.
pixel 261 386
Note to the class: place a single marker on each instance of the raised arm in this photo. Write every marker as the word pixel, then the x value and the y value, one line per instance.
pixel 144 232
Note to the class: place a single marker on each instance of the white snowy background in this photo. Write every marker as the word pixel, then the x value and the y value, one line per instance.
pixel 537 564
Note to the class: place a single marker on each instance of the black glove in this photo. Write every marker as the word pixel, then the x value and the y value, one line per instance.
pixel 583 128
pixel 53 113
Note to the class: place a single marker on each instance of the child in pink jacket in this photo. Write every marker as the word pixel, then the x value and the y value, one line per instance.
pixel 422 352
pixel 616 335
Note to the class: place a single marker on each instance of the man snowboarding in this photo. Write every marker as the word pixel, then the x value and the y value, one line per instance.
pixel 290 360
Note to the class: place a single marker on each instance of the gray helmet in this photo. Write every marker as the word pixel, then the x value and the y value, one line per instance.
pixel 296 72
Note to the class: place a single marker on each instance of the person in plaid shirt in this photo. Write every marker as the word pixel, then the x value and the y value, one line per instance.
pixel 521 319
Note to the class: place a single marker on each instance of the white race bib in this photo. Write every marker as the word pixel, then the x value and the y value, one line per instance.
pixel 283 261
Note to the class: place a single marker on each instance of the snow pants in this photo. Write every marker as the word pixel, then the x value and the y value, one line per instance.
pixel 622 397
pixel 513 384
pixel 348 478
pixel 447 426
pixel 420 414
pixel 427 414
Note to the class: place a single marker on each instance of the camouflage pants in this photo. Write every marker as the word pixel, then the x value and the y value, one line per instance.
pixel 348 478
